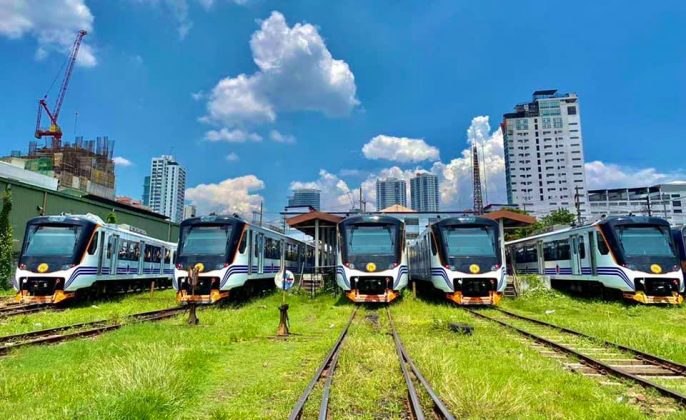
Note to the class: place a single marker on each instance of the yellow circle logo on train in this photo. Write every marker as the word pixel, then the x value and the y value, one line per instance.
pixel 371 267
pixel 200 267
pixel 474 269
pixel 42 267
pixel 655 268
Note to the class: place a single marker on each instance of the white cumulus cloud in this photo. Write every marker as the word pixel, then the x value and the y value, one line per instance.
pixel 296 72
pixel 609 175
pixel 455 176
pixel 232 136
pixel 232 157
pixel 399 149
pixel 232 195
pixel 281 138
pixel 53 23
pixel 121 161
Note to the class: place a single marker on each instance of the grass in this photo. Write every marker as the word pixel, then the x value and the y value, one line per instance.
pixel 659 330
pixel 494 373
pixel 230 366
pixel 81 311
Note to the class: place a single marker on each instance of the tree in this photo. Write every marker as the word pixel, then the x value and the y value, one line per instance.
pixel 6 236
pixel 558 217
pixel 112 218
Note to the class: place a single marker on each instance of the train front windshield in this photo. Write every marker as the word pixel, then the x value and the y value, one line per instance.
pixel 209 244
pixel 465 246
pixel 57 245
pixel 646 244
pixel 372 243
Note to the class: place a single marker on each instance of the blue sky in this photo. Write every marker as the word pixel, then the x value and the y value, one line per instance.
pixel 323 79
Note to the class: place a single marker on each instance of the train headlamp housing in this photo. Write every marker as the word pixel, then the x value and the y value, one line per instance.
pixel 66 266
pixel 495 267
pixel 449 267
pixel 392 266
pixel 349 265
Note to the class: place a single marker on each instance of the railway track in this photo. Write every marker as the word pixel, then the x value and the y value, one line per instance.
pixel 22 309
pixel 327 368
pixel 597 356
pixel 81 330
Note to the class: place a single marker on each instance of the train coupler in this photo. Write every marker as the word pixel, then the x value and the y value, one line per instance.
pixel 493 298
pixel 673 299
pixel 214 296
pixel 387 297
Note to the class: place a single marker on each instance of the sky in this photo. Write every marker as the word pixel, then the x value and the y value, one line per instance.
pixel 257 97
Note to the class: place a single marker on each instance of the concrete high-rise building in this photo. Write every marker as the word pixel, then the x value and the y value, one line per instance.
pixel 305 197
pixel 389 192
pixel 146 191
pixel 544 154
pixel 424 192
pixel 167 187
pixel 189 210
pixel 662 200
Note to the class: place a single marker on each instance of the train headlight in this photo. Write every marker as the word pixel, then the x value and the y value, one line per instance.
pixel 350 265
pixel 495 267
pixel 631 266
pixel 66 266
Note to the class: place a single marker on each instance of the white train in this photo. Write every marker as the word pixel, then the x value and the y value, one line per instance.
pixel 371 262
pixel 460 256
pixel 65 255
pixel 634 256
pixel 231 253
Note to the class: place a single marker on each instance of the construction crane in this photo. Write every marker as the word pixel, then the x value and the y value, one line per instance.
pixel 55 131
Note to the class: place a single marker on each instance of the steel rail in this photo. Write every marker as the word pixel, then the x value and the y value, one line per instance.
pixel 52 335
pixel 595 363
pixel 647 357
pixel 415 406
pixel 440 408
pixel 329 359
pixel 13 310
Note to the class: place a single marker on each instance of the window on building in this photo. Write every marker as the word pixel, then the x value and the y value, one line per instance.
pixel 571 110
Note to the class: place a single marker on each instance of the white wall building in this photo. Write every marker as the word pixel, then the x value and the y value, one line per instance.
pixel 663 200
pixel 189 210
pixel 544 154
pixel 167 187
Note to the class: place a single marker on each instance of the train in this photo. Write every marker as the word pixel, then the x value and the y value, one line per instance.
pixel 231 253
pixel 634 257
pixel 371 258
pixel 460 257
pixel 68 255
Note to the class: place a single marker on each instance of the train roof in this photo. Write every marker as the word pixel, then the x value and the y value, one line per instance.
pixel 465 220
pixel 611 221
pixel 354 220
pixel 212 219
pixel 92 220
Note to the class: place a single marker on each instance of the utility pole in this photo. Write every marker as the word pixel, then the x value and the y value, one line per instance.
pixel 577 204
pixel 261 203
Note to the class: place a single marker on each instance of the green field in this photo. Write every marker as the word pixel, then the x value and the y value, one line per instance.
pixel 231 366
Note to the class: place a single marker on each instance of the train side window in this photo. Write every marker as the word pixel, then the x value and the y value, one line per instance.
pixel 602 246
pixel 433 244
pixel 93 245
pixel 564 250
pixel 110 247
pixel 582 248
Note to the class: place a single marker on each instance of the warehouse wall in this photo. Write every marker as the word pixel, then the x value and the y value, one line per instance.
pixel 27 199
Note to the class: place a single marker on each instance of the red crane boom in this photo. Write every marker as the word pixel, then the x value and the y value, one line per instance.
pixel 55 131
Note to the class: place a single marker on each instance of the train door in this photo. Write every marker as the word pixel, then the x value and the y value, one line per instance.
pixel 259 252
pixel 592 253
pixel 574 258
pixel 540 257
pixel 101 252
pixel 113 252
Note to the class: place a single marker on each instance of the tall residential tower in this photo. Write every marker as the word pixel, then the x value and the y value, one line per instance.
pixel 544 154
pixel 389 192
pixel 167 187
pixel 424 192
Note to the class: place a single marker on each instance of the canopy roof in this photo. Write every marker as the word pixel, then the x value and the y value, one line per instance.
pixel 510 219
pixel 306 222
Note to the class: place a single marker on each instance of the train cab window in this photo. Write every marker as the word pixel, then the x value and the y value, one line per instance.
pixel 244 242
pixel 602 246
pixel 93 245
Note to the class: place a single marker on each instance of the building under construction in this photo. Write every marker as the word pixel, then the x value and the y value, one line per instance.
pixel 84 165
